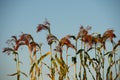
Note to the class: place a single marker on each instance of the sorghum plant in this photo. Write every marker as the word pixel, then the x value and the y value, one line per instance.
pixel 13 49
pixel 90 55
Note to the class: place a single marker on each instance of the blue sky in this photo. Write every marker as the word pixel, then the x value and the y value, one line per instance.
pixel 65 16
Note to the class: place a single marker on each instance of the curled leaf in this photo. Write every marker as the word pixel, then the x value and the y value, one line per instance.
pixel 67 42
pixel 118 44
pixel 51 38
pixel 42 27
pixel 109 34
pixel 71 36
pixel 58 49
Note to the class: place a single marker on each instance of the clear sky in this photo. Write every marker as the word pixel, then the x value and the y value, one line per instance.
pixel 65 16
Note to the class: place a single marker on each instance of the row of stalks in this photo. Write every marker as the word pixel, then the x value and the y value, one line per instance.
pixel 90 55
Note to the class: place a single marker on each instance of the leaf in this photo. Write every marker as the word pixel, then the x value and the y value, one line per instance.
pixel 80 51
pixel 49 76
pixel 117 76
pixel 74 60
pixel 91 73
pixel 96 60
pixel 41 27
pixel 15 59
pixel 67 42
pixel 43 56
pixel 63 66
pixel 109 70
pixel 24 74
pixel 108 53
pixel 58 49
pixel 90 49
pixel 59 61
pixel 84 74
pixel 110 56
pixel 53 73
pixel 71 36
pixel 8 50
pixel 46 65
pixel 54 63
pixel 21 62
pixel 13 74
pixel 31 69
pixel 51 38
pixel 15 52
pixel 118 44
pixel 81 58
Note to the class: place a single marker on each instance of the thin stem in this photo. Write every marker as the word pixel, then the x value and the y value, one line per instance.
pixel 115 60
pixel 18 67
pixel 32 76
pixel 75 64
pixel 41 65
pixel 119 65
pixel 84 73
pixel 115 64
pixel 35 60
pixel 91 73
pixel 81 63
pixel 67 61
pixel 51 54
pixel 95 51
pixel 52 69
pixel 103 64
pixel 67 56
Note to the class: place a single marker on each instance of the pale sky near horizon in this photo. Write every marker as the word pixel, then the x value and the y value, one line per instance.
pixel 65 16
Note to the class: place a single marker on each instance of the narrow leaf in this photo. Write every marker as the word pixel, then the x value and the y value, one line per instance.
pixel 54 63
pixel 13 74
pixel 74 60
pixel 43 56
pixel 79 51
pixel 31 69
pixel 24 74
pixel 108 53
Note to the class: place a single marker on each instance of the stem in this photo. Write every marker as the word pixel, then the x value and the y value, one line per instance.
pixel 81 63
pixel 35 61
pixel 67 61
pixel 95 51
pixel 31 62
pixel 115 60
pixel 18 67
pixel 52 69
pixel 119 66
pixel 30 55
pixel 84 73
pixel 75 64
pixel 41 65
pixel 103 64
pixel 75 74
pixel 51 54
pixel 67 56
pixel 115 64
pixel 91 73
